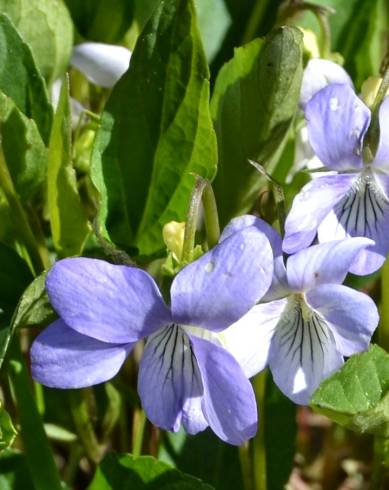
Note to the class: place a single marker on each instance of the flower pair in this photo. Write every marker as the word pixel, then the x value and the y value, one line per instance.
pixel 201 351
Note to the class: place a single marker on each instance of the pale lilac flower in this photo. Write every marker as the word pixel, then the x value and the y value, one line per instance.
pixel 102 64
pixel 318 74
pixel 184 379
pixel 354 200
pixel 310 320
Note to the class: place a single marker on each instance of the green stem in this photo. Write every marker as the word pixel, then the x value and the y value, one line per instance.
pixel 211 216
pixel 112 413
pixel 381 445
pixel 21 224
pixel 279 195
pixel 373 132
pixel 192 218
pixel 383 330
pixel 38 453
pixel 322 18
pixel 380 473
pixel 75 454
pixel 138 431
pixel 259 449
pixel 321 12
pixel 382 91
pixel 79 407
pixel 246 466
pixel 254 21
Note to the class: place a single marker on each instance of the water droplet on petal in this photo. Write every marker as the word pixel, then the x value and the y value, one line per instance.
pixel 334 104
pixel 209 267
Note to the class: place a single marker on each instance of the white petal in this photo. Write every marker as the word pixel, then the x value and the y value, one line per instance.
pixel 303 351
pixel 102 64
pixel 248 340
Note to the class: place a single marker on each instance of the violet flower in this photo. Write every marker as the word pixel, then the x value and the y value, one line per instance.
pixel 183 379
pixel 102 64
pixel 310 320
pixel 354 200
pixel 317 74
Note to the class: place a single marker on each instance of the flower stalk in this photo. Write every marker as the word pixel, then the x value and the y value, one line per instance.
pixel 259 447
pixel 373 133
pixel 279 195
pixel 192 219
pixel 79 407
pixel 211 217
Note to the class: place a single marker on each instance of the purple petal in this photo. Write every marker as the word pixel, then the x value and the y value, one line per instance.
pixel 351 315
pixel 318 74
pixel 102 64
pixel 363 211
pixel 278 288
pixel 311 205
pixel 327 263
pixel 223 284
pixel 63 358
pixel 337 121
pixel 248 340
pixel 302 353
pixel 169 382
pixel 382 156
pixel 112 303
pixel 247 220
pixel 229 403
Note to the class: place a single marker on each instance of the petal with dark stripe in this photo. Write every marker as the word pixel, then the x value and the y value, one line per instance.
pixel 363 211
pixel 169 382
pixel 302 352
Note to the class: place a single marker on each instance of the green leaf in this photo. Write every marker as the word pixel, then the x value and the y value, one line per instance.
pixel 357 396
pixel 99 20
pixel 14 278
pixel 21 80
pixel 14 473
pixel 124 472
pixel 47 28
pixel 363 57
pixel 280 428
pixel 32 310
pixel 254 102
pixel 24 151
pixel 7 429
pixel 156 132
pixel 40 458
pixel 68 220
pixel 214 21
pixel 204 456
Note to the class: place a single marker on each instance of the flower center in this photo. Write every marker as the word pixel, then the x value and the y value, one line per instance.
pixel 301 331
pixel 172 350
pixel 362 209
